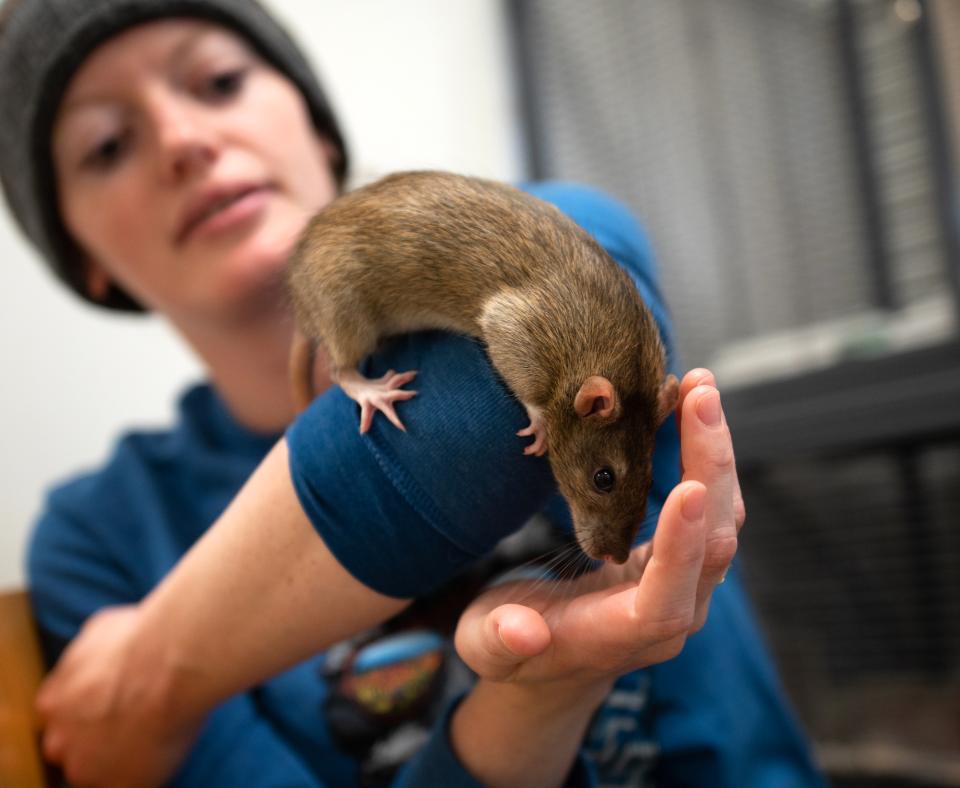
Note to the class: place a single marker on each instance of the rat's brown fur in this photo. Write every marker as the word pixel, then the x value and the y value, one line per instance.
pixel 430 250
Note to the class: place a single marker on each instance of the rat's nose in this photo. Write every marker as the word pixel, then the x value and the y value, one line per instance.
pixel 617 559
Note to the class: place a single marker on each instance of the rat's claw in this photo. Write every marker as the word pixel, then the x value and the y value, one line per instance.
pixel 382 401
pixel 387 410
pixel 538 448
pixel 366 416
pixel 397 380
pixel 538 429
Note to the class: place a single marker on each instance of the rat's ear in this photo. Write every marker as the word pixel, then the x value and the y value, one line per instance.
pixel 596 397
pixel 667 398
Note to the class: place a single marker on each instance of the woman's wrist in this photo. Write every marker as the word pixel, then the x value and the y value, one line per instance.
pixel 511 733
pixel 163 679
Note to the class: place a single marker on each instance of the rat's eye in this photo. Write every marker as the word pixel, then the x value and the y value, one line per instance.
pixel 603 480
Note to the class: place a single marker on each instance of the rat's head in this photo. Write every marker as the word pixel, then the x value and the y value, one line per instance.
pixel 601 453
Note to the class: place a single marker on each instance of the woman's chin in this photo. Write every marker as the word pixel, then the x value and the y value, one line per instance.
pixel 250 272
pixel 255 288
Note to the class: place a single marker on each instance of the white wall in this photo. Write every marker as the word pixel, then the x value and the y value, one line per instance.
pixel 417 83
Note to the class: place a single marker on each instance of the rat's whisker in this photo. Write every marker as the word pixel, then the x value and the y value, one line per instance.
pixel 562 570
pixel 547 565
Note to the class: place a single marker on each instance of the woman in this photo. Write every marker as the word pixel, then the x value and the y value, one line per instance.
pixel 173 161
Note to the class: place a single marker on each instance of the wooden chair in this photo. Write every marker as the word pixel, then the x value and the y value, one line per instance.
pixel 21 670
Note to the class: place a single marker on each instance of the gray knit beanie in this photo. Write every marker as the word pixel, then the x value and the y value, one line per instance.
pixel 42 42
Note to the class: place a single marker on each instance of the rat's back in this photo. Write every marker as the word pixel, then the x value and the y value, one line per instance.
pixel 426 250
pixel 432 250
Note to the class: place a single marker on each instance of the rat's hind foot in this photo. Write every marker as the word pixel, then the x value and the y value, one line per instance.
pixel 538 429
pixel 377 394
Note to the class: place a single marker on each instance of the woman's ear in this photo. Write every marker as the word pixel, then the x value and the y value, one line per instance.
pixel 96 279
pixel 331 153
pixel 331 150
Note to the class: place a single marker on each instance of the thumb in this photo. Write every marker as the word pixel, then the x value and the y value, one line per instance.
pixel 496 643
pixel 45 700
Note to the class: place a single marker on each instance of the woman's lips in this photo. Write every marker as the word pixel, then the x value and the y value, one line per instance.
pixel 243 209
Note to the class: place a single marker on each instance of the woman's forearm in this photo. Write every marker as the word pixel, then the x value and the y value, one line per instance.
pixel 508 734
pixel 257 594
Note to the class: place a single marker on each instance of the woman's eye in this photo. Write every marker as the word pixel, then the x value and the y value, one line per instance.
pixel 107 152
pixel 226 83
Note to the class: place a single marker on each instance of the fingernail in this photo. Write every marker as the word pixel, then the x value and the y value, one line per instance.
pixel 708 408
pixel 693 504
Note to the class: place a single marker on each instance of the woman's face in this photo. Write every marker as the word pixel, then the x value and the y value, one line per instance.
pixel 186 168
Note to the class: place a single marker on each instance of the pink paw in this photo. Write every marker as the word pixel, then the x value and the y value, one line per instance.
pixel 378 394
pixel 538 429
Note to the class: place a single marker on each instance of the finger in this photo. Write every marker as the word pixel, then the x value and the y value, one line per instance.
pixel 704 377
pixel 708 452
pixel 495 644
pixel 666 595
pixel 45 702
pixel 739 507
pixel 52 745
pixel 708 457
pixel 695 377
pixel 712 579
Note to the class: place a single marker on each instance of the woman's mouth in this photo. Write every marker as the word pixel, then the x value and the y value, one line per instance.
pixel 225 210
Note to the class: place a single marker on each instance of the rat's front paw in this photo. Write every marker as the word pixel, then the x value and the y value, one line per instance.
pixel 538 429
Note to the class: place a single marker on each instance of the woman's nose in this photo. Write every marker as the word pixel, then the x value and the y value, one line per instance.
pixel 186 139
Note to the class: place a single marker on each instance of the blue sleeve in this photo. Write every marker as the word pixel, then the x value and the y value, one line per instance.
pixel 71 576
pixel 403 512
pixel 718 711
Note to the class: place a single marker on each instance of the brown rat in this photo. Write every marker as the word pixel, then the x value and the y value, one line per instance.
pixel 563 324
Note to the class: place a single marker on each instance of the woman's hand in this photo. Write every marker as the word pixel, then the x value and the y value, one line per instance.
pixel 547 652
pixel 128 696
pixel 79 702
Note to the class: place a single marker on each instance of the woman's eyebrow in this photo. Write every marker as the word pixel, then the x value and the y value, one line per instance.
pixel 70 107
pixel 181 50
pixel 177 55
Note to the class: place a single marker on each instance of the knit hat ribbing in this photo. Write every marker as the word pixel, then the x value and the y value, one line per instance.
pixel 42 42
